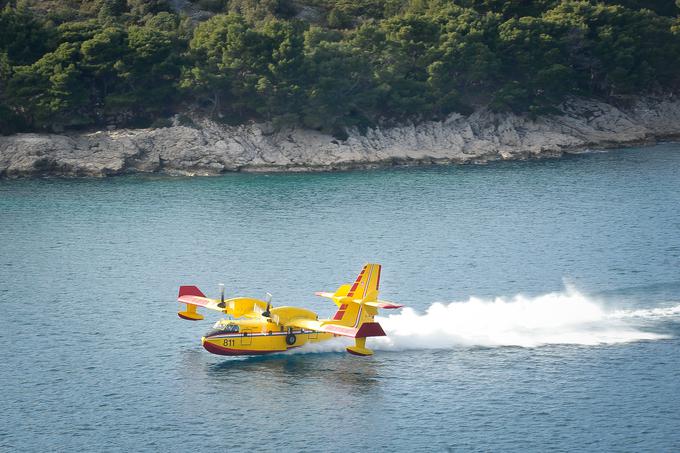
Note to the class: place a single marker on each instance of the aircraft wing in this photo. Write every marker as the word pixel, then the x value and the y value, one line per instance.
pixel 366 329
pixel 313 324
pixel 305 323
pixel 191 295
pixel 383 304
pixel 236 306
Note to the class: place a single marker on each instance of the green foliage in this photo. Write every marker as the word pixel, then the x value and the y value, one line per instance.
pixel 259 10
pixel 49 91
pixel 334 102
pixel 337 18
pixel 215 6
pixel 22 36
pixel 151 67
pixel 360 62
pixel 111 8
pixel 142 8
pixel 660 7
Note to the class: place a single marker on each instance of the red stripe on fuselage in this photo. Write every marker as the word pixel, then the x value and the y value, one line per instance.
pixel 221 350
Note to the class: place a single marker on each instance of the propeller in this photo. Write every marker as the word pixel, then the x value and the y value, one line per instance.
pixel 266 312
pixel 221 304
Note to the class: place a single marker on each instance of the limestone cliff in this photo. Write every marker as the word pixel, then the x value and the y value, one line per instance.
pixel 210 148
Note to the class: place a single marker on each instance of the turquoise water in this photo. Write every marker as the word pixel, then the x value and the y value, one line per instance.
pixel 544 308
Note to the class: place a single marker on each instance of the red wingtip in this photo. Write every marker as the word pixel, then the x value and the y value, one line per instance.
pixel 190 291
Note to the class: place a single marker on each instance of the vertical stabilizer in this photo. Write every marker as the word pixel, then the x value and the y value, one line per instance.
pixel 367 283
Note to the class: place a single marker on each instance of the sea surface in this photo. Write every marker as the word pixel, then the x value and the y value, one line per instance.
pixel 543 309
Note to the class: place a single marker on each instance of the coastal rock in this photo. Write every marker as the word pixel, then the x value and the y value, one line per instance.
pixel 211 148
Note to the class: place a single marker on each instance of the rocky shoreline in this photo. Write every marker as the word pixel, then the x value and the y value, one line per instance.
pixel 209 148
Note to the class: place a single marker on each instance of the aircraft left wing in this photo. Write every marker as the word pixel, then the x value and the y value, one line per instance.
pixel 236 306
pixel 194 297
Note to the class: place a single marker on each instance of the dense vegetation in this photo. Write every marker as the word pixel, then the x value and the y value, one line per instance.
pixel 326 64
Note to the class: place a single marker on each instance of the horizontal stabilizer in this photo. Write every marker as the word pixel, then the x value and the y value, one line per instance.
pixel 383 304
pixel 377 304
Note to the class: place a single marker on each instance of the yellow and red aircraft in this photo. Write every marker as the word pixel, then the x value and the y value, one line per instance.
pixel 253 326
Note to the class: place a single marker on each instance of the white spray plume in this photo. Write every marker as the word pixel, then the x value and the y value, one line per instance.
pixel 567 317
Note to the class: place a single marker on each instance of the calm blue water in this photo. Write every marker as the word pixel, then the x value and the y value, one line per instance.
pixel 94 357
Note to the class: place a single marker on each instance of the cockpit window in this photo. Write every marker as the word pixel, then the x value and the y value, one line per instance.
pixel 221 328
pixel 225 327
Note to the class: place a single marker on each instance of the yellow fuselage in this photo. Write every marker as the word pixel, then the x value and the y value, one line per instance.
pixel 261 335
pixel 246 343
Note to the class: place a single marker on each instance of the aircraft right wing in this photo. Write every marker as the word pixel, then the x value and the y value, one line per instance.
pixel 365 329
pixel 320 326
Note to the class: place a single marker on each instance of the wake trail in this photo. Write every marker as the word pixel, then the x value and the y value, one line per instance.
pixel 566 317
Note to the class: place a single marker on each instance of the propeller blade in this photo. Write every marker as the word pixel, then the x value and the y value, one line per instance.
pixel 221 304
pixel 266 312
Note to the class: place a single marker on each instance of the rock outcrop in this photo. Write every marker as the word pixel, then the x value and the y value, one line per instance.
pixel 210 148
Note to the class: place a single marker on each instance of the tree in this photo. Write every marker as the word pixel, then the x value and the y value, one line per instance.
pixel 214 51
pixel 628 51
pixel 49 91
pixel 151 68
pixel 111 8
pixel 533 55
pixel 24 38
pixel 78 31
pixel 281 83
pixel 142 8
pixel 101 57
pixel 409 48
pixel 341 90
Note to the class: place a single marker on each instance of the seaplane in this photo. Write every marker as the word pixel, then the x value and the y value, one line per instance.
pixel 255 327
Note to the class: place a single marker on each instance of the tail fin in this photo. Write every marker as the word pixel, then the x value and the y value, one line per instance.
pixel 354 313
pixel 367 284
pixel 348 297
pixel 357 306
pixel 358 303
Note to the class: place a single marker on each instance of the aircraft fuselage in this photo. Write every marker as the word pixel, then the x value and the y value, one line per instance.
pixel 256 342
